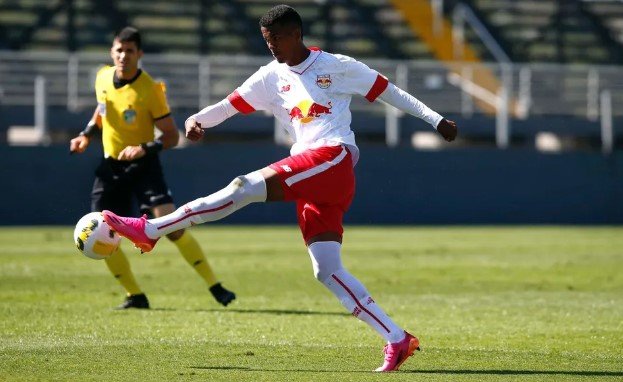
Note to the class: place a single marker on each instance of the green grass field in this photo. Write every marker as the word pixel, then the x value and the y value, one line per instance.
pixel 488 304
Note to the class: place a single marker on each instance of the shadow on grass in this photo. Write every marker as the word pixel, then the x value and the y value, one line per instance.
pixel 521 372
pixel 263 311
pixel 457 372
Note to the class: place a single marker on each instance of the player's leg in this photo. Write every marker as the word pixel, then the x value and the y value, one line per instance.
pixel 243 190
pixel 324 192
pixel 193 254
pixel 267 184
pixel 328 269
pixel 108 193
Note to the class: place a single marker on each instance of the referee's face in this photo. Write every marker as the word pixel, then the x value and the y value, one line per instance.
pixel 125 55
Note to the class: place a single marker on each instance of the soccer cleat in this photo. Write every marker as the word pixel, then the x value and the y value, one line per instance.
pixel 138 301
pixel 221 294
pixel 397 353
pixel 132 228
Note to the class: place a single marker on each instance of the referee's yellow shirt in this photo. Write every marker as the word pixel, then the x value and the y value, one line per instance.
pixel 128 113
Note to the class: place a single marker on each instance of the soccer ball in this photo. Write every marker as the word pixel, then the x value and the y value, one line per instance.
pixel 94 238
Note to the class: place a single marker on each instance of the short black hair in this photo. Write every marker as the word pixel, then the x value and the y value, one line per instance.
pixel 129 34
pixel 282 15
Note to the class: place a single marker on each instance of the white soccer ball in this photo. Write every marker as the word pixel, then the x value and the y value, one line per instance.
pixel 94 238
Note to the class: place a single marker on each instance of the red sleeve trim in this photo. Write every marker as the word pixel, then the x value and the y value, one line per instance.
pixel 239 103
pixel 379 87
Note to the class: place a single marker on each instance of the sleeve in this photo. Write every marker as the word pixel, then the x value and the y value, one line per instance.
pixel 360 79
pixel 251 95
pixel 159 107
pixel 404 101
pixel 214 114
pixel 100 89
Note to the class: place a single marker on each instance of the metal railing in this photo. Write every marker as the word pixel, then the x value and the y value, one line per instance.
pixel 195 81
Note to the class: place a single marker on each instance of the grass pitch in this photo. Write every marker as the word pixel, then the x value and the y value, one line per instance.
pixel 488 304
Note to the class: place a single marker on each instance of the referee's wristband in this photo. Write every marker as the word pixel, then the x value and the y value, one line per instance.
pixel 153 147
pixel 89 130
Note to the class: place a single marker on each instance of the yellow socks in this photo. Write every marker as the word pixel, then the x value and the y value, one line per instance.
pixel 120 267
pixel 190 249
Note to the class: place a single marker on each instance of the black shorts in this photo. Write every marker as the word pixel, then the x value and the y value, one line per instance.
pixel 120 184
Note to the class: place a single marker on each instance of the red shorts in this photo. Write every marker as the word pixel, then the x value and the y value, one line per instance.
pixel 322 181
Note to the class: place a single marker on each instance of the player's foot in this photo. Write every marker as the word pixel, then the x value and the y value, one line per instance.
pixel 132 228
pixel 221 294
pixel 138 301
pixel 397 353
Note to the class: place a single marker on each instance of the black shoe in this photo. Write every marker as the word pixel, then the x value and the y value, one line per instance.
pixel 138 301
pixel 221 294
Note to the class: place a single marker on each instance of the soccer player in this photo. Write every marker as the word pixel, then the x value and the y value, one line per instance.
pixel 309 91
pixel 129 104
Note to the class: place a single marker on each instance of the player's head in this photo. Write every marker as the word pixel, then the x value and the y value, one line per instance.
pixel 282 29
pixel 126 51
pixel 129 34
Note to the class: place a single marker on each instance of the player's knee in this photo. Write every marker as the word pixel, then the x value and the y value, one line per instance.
pixel 323 274
pixel 318 276
pixel 247 189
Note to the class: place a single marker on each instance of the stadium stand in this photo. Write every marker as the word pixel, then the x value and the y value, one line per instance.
pixel 362 28
pixel 563 31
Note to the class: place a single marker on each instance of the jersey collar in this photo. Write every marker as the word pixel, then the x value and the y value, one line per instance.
pixel 303 66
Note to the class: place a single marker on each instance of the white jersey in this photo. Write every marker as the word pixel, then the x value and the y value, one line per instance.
pixel 311 100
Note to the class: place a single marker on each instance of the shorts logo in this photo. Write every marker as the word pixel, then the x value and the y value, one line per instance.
pixel 286 168
pixel 129 116
pixel 323 81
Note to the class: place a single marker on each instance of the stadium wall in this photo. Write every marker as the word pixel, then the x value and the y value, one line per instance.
pixel 47 186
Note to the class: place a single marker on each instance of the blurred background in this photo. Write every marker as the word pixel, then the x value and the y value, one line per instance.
pixel 536 87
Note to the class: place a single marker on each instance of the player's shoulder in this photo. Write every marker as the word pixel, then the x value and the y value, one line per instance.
pixel 335 58
pixel 106 71
pixel 272 66
pixel 146 77
pixel 334 62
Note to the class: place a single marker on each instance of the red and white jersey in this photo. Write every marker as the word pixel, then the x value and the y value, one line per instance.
pixel 311 100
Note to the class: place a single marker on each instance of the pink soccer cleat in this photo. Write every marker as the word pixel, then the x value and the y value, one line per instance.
pixel 132 228
pixel 397 353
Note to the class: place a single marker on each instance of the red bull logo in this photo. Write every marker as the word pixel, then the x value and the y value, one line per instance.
pixel 323 81
pixel 306 111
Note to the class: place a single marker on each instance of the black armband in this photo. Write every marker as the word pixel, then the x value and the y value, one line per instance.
pixel 153 147
pixel 89 130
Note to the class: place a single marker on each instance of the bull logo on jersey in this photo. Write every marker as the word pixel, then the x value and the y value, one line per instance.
pixel 323 81
pixel 129 116
pixel 306 111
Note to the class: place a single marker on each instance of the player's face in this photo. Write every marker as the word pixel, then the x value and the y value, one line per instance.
pixel 125 55
pixel 283 42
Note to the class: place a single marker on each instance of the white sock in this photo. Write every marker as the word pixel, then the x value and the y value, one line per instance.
pixel 242 191
pixel 350 291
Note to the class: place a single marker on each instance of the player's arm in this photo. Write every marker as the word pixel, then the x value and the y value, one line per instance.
pixel 168 139
pixel 170 135
pixel 81 142
pixel 208 117
pixel 404 101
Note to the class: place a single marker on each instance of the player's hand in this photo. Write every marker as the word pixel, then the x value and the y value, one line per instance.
pixel 447 129
pixel 131 153
pixel 194 132
pixel 78 144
